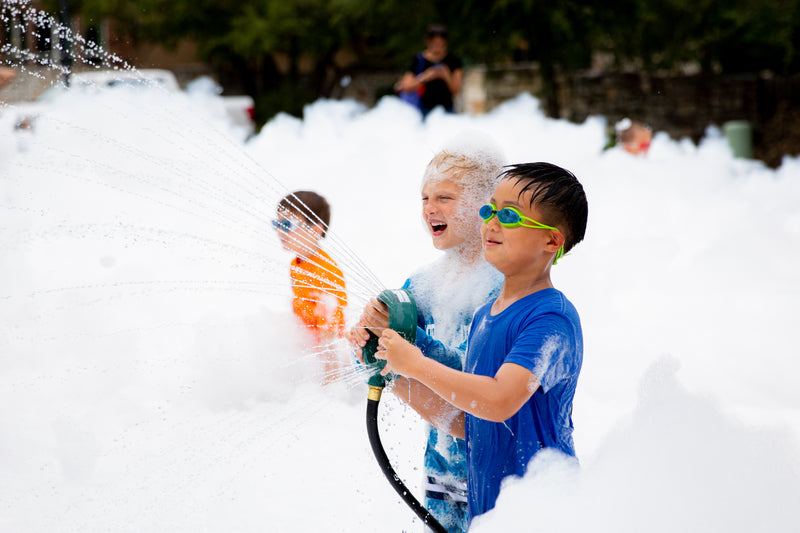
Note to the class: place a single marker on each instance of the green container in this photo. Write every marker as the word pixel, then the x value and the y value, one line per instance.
pixel 740 138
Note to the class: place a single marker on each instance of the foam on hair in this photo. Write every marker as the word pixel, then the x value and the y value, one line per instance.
pixel 473 158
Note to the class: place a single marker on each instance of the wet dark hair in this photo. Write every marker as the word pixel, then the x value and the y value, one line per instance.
pixel 308 205
pixel 558 196
pixel 436 30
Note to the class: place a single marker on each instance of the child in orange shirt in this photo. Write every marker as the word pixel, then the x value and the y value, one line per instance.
pixel 317 282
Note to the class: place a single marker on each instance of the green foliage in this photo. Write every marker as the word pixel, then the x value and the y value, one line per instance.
pixel 287 97
pixel 732 36
pixel 286 50
pixel 760 35
pixel 123 12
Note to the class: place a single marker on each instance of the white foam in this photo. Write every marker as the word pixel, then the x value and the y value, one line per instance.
pixel 145 323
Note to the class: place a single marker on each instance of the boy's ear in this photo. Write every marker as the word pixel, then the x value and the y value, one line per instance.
pixel 316 229
pixel 556 241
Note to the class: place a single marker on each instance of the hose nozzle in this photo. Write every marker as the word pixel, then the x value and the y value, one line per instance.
pixel 403 319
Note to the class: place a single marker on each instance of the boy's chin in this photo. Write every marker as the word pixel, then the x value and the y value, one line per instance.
pixel 443 244
pixel 489 257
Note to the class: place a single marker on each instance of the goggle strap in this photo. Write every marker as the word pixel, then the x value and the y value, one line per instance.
pixel 559 255
pixel 538 225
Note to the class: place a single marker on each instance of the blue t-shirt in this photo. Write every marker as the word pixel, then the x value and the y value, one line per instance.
pixel 540 332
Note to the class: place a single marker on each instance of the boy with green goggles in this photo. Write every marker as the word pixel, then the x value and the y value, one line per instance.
pixel 511 217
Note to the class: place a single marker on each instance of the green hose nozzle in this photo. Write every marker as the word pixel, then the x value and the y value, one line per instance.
pixel 402 319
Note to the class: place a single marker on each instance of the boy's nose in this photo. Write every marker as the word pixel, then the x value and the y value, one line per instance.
pixel 493 225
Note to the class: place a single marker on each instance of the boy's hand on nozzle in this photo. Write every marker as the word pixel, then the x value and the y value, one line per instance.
pixel 401 356
pixel 375 319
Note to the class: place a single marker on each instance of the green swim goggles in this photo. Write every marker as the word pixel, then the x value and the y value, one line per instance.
pixel 511 217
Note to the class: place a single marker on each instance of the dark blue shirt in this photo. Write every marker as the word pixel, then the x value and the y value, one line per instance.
pixel 436 92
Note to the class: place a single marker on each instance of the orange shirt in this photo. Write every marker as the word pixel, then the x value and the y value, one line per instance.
pixel 319 292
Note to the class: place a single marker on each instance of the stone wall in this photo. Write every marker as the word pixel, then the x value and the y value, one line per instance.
pixel 680 105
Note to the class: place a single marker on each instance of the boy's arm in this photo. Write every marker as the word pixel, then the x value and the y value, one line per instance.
pixel 432 347
pixel 435 349
pixel 491 398
pixel 430 406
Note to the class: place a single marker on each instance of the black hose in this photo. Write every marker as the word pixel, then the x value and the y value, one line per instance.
pixel 388 471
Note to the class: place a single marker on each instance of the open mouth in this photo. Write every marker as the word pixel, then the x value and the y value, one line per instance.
pixel 438 227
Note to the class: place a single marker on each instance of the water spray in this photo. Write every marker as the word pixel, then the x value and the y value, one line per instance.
pixel 403 319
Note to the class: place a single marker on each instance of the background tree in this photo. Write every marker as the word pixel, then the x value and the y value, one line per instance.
pixel 555 35
pixel 731 37
pixel 286 53
pixel 248 42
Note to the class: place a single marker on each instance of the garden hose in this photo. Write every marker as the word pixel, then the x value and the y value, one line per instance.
pixel 402 319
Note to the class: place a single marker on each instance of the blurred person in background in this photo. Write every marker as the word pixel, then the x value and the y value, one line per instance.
pixel 434 76
pixel 634 137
